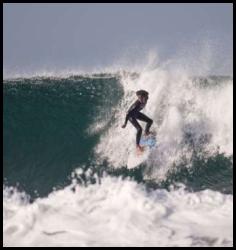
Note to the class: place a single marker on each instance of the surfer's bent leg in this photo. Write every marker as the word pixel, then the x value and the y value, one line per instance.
pixel 138 127
pixel 140 116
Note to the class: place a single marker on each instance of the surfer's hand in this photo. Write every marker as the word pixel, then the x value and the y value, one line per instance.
pixel 123 126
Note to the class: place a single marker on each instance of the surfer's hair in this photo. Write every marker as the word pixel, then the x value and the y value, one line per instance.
pixel 142 93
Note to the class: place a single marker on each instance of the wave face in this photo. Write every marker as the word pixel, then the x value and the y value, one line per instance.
pixel 65 161
pixel 47 127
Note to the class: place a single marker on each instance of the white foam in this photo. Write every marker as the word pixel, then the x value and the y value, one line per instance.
pixel 119 213
pixel 178 106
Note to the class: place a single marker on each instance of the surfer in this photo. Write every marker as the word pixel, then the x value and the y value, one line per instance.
pixel 134 114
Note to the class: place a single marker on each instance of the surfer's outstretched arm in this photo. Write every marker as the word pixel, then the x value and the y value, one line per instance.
pixel 126 120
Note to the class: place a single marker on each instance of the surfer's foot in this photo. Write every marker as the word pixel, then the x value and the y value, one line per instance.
pixel 148 133
pixel 140 149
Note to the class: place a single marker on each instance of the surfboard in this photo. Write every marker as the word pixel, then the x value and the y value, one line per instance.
pixel 134 158
pixel 148 141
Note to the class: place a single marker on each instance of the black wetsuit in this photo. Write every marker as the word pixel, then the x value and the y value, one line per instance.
pixel 133 115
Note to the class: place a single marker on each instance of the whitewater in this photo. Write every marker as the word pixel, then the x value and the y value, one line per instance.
pixel 119 212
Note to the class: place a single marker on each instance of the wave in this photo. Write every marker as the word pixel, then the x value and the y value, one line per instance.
pixel 64 123
pixel 65 155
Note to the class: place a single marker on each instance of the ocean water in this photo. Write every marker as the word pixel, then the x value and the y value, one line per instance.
pixel 66 181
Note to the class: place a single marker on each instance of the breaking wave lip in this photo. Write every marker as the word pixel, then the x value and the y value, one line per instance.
pixel 105 214
pixel 66 73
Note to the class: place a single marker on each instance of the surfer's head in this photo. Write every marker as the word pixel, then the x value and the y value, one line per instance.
pixel 142 95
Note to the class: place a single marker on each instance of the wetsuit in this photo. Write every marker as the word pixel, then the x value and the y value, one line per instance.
pixel 133 115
